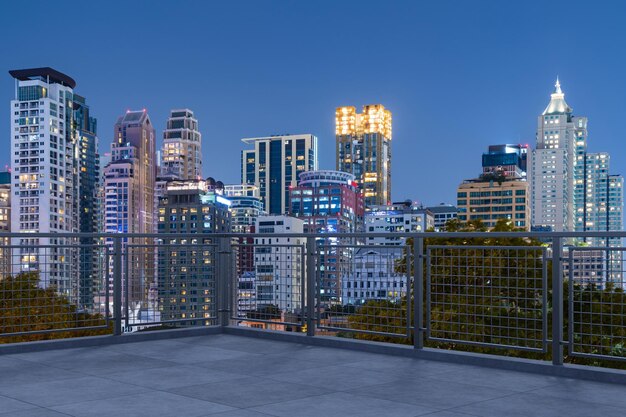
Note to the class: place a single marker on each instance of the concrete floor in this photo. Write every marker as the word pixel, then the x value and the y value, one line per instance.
pixel 232 376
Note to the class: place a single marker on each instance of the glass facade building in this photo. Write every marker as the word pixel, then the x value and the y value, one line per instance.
pixel 329 202
pixel 274 165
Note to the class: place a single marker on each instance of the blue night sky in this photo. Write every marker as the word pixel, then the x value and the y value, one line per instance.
pixel 457 76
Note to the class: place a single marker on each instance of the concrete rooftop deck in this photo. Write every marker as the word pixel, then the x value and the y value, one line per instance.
pixel 224 375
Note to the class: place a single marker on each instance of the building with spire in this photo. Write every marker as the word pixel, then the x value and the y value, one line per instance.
pixel 363 146
pixel 182 146
pixel 572 189
pixel 554 167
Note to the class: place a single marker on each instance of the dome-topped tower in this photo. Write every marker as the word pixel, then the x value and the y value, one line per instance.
pixel 557 101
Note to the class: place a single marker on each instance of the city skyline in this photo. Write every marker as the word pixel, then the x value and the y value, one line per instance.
pixel 425 69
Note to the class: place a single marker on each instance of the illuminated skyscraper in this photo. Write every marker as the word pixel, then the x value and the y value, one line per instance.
pixel 364 150
pixel 274 165
pixel 89 200
pixel 553 166
pixel 45 182
pixel 129 182
pixel 330 202
pixel 182 146
pixel 186 266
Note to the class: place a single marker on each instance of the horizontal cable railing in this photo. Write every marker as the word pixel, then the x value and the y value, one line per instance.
pixel 557 296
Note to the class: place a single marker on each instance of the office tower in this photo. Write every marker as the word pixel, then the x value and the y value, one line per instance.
pixel 602 196
pixel 554 166
pixel 364 149
pixel 182 146
pixel 402 217
pixel 490 200
pixel 330 202
pixel 601 210
pixel 442 214
pixel 45 181
pixel 279 264
pixel 186 266
pixel 509 161
pixel 5 223
pixel 245 208
pixel 129 182
pixel 90 257
pixel 274 165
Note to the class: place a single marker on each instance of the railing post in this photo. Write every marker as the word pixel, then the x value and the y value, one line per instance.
pixel 311 252
pixel 117 286
pixel 223 281
pixel 557 302
pixel 418 292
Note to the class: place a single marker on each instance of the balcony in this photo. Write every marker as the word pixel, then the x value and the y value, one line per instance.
pixel 459 324
pixel 231 375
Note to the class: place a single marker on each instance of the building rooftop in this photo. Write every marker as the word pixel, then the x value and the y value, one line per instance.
pixel 224 375
pixel 44 72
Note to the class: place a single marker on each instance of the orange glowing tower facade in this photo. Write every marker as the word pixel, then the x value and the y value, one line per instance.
pixel 363 146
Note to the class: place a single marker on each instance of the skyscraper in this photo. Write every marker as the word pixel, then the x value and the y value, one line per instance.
pixel 363 145
pixel 182 146
pixel 187 277
pixel 89 208
pixel 330 202
pixel 45 172
pixel 129 182
pixel 554 168
pixel 569 184
pixel 274 165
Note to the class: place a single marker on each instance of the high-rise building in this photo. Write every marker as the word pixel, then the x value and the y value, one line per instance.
pixel 363 146
pixel 186 266
pixel 274 165
pixel 279 264
pixel 245 208
pixel 182 146
pixel 129 182
pixel 554 167
pixel 5 223
pixel 602 195
pixel 45 170
pixel 330 202
pixel 572 189
pixel 403 217
pixel 90 257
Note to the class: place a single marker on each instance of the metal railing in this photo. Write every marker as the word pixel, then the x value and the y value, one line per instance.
pixel 543 294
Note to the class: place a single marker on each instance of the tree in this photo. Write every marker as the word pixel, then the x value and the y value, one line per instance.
pixel 490 291
pixel 25 307
pixel 265 312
